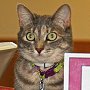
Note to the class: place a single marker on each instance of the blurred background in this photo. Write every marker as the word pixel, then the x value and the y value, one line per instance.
pixel 9 25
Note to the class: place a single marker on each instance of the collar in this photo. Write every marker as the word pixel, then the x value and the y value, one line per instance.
pixel 51 71
pixel 44 65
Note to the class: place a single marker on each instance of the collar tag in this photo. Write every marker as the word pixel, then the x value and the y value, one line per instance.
pixel 42 87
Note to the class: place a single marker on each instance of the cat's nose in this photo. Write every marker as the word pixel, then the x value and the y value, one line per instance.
pixel 39 50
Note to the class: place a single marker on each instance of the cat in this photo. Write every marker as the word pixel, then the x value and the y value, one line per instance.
pixel 42 42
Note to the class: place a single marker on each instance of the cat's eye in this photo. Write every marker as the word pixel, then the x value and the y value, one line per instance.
pixel 52 36
pixel 30 36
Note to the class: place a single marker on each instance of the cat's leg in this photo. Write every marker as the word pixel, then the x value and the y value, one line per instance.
pixel 17 86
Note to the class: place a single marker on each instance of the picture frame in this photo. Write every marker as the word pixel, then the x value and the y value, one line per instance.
pixel 76 71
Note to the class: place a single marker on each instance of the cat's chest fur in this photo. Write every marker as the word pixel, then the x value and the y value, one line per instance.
pixel 28 79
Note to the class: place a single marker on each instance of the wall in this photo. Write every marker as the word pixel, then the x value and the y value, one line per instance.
pixel 80 15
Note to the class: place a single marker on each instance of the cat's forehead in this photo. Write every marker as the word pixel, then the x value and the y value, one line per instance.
pixel 42 20
pixel 42 25
pixel 42 30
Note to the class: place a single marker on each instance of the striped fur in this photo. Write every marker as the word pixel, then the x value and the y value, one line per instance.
pixel 42 50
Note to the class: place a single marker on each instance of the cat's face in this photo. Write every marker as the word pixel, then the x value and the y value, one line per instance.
pixel 44 38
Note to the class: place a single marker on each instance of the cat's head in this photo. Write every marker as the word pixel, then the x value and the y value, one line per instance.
pixel 44 38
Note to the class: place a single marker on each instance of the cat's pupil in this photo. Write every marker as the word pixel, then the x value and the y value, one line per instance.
pixel 52 36
pixel 30 36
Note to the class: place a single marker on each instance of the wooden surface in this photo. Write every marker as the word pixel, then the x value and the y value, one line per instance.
pixel 8 77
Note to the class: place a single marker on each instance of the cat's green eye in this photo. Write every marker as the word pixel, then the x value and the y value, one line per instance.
pixel 30 36
pixel 52 36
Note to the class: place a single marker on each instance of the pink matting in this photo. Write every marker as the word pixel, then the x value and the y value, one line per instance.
pixel 75 73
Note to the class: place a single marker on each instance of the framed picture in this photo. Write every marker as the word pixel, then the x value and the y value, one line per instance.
pixel 76 71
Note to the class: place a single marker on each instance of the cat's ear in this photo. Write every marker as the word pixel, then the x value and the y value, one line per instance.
pixel 25 15
pixel 62 17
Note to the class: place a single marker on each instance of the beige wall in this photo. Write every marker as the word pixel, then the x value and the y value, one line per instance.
pixel 80 15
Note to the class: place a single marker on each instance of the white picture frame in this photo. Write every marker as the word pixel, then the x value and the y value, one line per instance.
pixel 76 71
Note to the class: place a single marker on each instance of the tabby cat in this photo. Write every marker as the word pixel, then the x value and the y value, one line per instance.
pixel 42 42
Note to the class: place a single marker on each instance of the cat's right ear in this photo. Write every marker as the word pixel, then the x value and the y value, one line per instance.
pixel 62 17
pixel 25 15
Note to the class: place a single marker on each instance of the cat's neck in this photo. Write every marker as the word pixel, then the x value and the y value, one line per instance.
pixel 43 66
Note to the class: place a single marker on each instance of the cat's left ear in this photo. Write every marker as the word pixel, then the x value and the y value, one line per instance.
pixel 25 15
pixel 62 17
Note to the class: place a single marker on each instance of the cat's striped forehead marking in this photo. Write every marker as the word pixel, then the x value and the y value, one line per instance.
pixel 44 30
pixel 36 31
pixel 41 31
pixel 31 30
